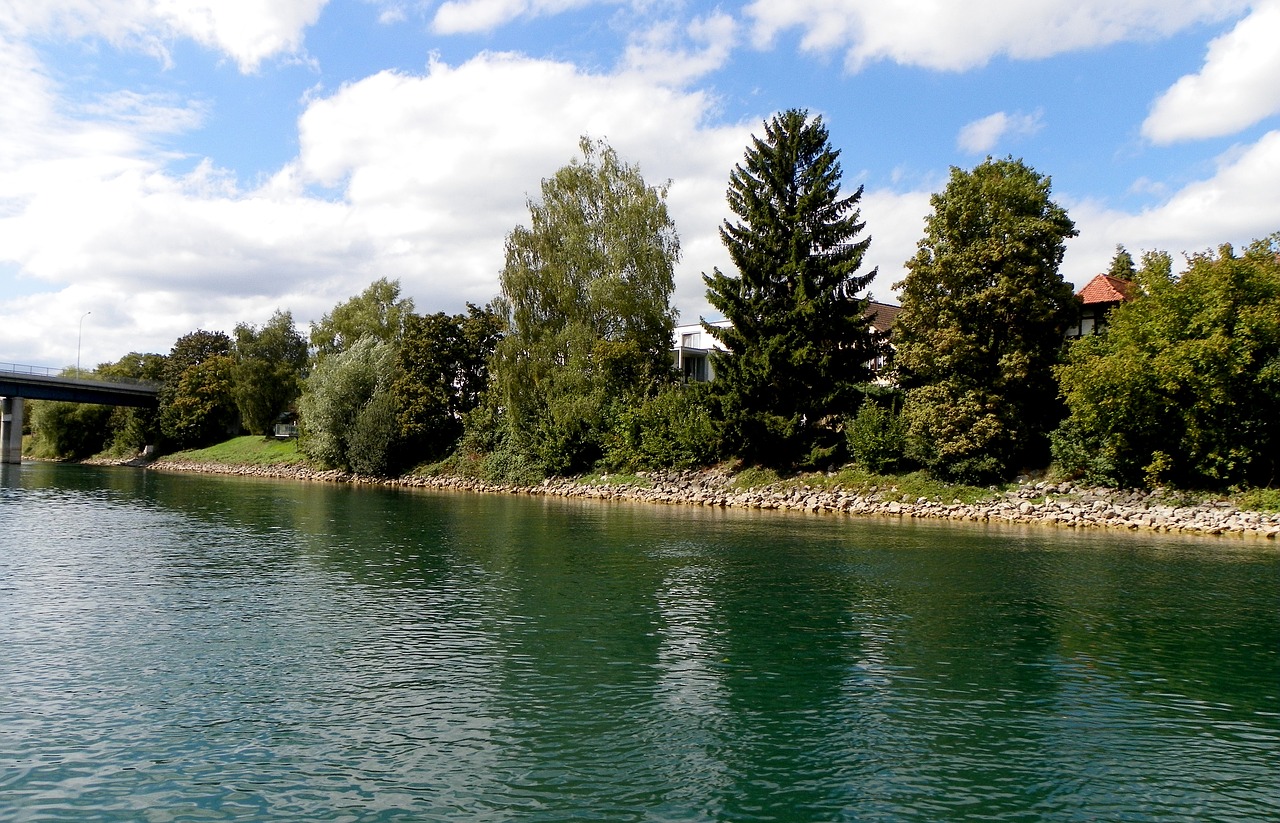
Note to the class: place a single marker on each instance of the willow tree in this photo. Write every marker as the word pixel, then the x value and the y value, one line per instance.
pixel 800 341
pixel 586 295
pixel 984 310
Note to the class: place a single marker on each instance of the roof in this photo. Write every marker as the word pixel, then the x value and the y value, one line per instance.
pixel 883 315
pixel 1104 288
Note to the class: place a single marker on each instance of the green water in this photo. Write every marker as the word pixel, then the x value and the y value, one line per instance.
pixel 183 648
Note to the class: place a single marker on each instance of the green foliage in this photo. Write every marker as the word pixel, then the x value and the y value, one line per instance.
pixel 586 292
pixel 269 363
pixel 755 477
pixel 132 429
pixel 248 450
pixel 69 431
pixel 442 371
pixel 675 428
pixel 378 312
pixel 337 430
pixel 800 340
pixel 984 310
pixel 197 406
pixel 877 437
pixel 1122 265
pixel 1258 500
pixel 1184 387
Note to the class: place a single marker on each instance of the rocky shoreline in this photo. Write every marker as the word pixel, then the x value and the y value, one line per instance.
pixel 1062 505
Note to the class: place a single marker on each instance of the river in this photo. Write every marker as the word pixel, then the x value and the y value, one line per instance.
pixel 201 648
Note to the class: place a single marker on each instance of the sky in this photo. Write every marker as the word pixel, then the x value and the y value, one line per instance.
pixel 172 165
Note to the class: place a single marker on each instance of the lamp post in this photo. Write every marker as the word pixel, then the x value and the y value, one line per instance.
pixel 79 337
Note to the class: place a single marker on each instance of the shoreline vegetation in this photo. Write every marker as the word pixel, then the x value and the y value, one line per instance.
pixel 851 493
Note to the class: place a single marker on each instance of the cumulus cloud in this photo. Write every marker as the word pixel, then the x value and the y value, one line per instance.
pixel 465 16
pixel 660 55
pixel 1238 86
pixel 246 32
pixel 942 34
pixel 1234 205
pixel 983 135
pixel 397 175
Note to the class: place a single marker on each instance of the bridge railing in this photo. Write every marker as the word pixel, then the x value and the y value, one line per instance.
pixel 71 374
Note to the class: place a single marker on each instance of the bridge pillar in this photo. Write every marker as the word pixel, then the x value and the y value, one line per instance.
pixel 10 429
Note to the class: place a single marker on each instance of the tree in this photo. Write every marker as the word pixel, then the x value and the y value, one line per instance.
pixel 377 312
pixel 1122 264
pixel 131 428
pixel 800 340
pixel 586 296
pixel 442 369
pixel 269 363
pixel 984 310
pixel 348 417
pixel 70 431
pixel 196 402
pixel 1184 386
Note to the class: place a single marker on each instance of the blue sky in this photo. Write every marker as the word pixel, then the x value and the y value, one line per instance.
pixel 181 164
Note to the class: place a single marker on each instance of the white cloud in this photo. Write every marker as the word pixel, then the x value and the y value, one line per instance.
pixel 983 135
pixel 1236 205
pixel 248 32
pixel 1238 86
pixel 398 175
pixel 943 34
pixel 467 16
pixel 658 55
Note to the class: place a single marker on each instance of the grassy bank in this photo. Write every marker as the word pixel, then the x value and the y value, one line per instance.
pixel 909 487
pixel 249 450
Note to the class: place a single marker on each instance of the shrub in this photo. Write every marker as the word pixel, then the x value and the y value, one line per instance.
pixel 877 437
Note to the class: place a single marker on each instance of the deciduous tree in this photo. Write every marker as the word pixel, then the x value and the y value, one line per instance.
pixel 378 312
pixel 984 310
pixel 269 365
pixel 800 340
pixel 196 402
pixel 1184 386
pixel 586 296
pixel 442 369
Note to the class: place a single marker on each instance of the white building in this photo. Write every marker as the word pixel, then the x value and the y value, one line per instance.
pixel 692 347
pixel 691 350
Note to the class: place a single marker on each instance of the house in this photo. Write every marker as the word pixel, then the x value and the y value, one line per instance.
pixel 691 351
pixel 693 345
pixel 1098 297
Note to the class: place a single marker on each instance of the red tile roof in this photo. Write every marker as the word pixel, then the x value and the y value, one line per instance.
pixel 1106 289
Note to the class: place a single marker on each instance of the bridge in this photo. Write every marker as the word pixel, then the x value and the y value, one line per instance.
pixel 18 382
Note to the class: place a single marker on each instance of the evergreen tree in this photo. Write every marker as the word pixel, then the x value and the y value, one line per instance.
pixel 1122 264
pixel 984 310
pixel 800 340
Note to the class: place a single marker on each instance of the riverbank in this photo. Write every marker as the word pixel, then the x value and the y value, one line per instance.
pixel 1062 505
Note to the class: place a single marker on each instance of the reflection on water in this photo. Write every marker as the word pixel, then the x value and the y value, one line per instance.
pixel 200 648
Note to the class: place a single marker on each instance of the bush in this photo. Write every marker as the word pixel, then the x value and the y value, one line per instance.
pixel 877 437
pixel 674 429
pixel 70 431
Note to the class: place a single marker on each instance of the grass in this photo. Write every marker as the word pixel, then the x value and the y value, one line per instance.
pixel 250 450
pixel 909 487
pixel 1258 500
pixel 615 479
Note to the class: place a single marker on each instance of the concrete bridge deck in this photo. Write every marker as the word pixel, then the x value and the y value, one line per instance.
pixel 19 382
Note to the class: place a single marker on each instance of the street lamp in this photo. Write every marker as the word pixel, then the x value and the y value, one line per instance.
pixel 79 337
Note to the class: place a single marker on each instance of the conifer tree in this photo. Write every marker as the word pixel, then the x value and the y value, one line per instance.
pixel 800 340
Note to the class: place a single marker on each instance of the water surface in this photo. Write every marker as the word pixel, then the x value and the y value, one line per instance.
pixel 178 647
